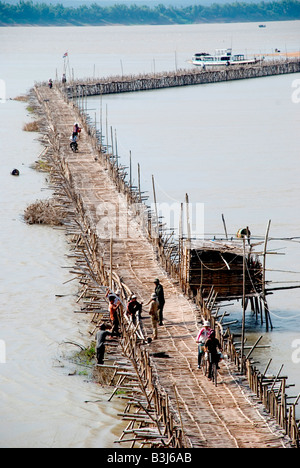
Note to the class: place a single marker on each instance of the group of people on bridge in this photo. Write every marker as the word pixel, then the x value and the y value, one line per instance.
pixel 208 343
pixel 133 313
pixel 206 338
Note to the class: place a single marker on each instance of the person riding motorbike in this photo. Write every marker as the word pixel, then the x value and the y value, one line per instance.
pixel 73 144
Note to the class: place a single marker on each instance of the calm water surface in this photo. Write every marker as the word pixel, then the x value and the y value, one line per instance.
pixel 232 147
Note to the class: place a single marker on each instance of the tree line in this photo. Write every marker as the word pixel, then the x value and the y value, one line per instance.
pixel 28 12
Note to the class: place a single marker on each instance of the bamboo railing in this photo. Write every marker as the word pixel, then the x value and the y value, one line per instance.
pixel 124 84
pixel 270 390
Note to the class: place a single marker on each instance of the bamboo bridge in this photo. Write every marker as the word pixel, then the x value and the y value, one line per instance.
pixel 191 77
pixel 169 402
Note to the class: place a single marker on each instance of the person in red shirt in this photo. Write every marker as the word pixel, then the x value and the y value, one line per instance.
pixel 113 314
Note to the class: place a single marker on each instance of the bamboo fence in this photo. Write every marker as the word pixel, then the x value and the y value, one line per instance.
pixel 124 84
pixel 269 390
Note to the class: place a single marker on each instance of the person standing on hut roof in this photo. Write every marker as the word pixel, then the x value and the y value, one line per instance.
pixel 159 291
pixel 101 335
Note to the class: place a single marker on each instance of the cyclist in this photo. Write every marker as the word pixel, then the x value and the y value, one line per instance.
pixel 203 335
pixel 212 346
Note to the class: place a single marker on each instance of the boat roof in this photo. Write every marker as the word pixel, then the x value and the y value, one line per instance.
pixel 218 53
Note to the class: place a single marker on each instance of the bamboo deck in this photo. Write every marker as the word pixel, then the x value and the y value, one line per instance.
pixel 210 417
pixel 191 77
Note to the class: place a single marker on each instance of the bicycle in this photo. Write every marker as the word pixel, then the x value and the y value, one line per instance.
pixel 204 363
pixel 214 374
pixel 203 356
pixel 213 371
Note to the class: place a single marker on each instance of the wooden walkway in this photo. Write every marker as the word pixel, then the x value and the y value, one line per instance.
pixel 222 417
pixel 124 84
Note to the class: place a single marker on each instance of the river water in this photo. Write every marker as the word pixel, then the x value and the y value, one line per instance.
pixel 233 147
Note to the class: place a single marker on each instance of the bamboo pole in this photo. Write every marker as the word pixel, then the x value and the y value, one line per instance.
pixel 130 172
pixel 155 205
pixel 111 263
pixel 244 306
pixel 139 183
pixel 264 276
pixel 225 228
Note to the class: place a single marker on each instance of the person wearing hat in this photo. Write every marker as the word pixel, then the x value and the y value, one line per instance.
pixel 159 291
pixel 153 312
pixel 115 295
pixel 203 335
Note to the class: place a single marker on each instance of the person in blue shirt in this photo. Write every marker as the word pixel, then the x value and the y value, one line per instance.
pixel 101 335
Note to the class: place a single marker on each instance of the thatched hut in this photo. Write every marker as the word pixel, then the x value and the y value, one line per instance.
pixel 219 264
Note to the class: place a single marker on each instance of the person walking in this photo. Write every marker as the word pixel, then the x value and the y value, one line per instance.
pixel 153 312
pixel 159 291
pixel 101 335
pixel 203 335
pixel 212 346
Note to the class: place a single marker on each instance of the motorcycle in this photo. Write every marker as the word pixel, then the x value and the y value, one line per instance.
pixel 74 146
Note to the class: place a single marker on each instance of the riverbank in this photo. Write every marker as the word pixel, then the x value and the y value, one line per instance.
pixel 96 15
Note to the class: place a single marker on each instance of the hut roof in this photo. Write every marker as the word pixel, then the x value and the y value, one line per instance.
pixel 234 246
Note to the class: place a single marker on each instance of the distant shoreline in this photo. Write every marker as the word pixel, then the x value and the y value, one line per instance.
pixel 61 25
pixel 27 13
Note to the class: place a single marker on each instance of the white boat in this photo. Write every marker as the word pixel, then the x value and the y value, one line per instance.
pixel 222 57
